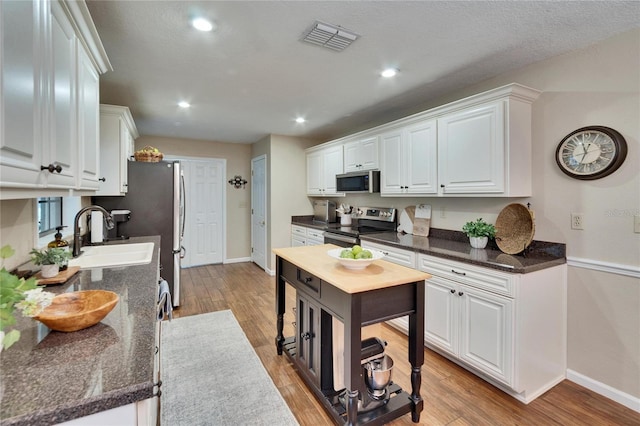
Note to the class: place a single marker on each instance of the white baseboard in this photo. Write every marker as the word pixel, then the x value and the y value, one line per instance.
pixel 607 391
pixel 237 260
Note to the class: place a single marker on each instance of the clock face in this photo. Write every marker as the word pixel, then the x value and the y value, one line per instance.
pixel 591 152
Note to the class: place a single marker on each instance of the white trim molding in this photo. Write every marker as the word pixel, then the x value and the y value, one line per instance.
pixel 237 260
pixel 613 268
pixel 616 395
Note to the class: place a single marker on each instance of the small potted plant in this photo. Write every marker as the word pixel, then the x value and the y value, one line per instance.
pixel 51 260
pixel 479 232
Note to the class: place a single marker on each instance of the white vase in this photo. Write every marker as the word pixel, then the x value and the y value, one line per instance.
pixel 478 242
pixel 49 271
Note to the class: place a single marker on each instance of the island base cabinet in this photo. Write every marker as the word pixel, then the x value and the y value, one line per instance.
pixel 514 338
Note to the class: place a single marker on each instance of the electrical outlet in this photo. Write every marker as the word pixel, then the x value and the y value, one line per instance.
pixel 636 224
pixel 443 213
pixel 576 221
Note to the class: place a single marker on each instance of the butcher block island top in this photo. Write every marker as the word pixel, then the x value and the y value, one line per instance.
pixel 380 274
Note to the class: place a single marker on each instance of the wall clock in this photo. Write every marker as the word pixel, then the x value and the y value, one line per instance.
pixel 591 152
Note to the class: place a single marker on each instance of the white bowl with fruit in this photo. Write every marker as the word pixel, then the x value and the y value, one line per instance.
pixel 355 257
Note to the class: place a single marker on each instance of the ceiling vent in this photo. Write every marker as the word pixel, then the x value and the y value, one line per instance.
pixel 329 36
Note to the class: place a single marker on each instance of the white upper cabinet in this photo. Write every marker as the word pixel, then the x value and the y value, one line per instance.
pixel 22 113
pixel 117 134
pixel 322 167
pixel 361 154
pixel 49 99
pixel 408 160
pixel 484 144
pixel 89 122
pixel 479 146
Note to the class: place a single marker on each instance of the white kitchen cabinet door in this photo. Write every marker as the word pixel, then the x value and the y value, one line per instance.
pixel 392 170
pixel 333 165
pixel 88 121
pixel 471 150
pixel 63 140
pixel 421 157
pixel 21 107
pixel 361 154
pixel 408 160
pixel 441 322
pixel 486 332
pixel 315 175
pixel 117 133
pixel 322 167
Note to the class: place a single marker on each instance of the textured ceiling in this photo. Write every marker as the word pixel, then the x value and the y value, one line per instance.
pixel 252 76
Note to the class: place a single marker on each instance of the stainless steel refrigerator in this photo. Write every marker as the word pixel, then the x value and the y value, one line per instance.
pixel 155 197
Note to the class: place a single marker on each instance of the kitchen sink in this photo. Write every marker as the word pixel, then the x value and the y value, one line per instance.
pixel 113 255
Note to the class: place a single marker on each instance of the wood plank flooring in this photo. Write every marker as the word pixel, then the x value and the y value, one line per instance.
pixel 452 395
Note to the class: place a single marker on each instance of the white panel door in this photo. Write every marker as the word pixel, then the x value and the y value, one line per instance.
pixel 258 211
pixel 486 333
pixel 204 241
pixel 441 314
pixel 21 106
pixel 471 150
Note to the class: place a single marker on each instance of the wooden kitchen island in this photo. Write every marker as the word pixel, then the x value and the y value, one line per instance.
pixel 326 290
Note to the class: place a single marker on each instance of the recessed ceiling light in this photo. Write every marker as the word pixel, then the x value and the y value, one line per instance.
pixel 389 72
pixel 184 104
pixel 300 120
pixel 202 24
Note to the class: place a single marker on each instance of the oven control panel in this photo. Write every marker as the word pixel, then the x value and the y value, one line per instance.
pixel 385 214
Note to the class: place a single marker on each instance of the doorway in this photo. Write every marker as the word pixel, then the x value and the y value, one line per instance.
pixel 204 234
pixel 258 211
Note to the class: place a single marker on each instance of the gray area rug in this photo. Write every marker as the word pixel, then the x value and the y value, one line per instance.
pixel 212 376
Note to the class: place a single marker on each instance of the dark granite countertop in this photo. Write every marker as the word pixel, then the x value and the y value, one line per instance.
pixel 455 245
pixel 50 377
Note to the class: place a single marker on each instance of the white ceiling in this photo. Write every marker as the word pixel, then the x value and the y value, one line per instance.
pixel 252 76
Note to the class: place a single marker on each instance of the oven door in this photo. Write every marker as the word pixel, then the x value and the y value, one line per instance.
pixel 340 240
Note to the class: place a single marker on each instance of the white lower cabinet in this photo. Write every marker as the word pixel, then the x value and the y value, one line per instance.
pixel 400 257
pixel 470 324
pixel 508 328
pixel 304 236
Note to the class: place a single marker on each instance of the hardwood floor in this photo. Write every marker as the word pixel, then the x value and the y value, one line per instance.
pixel 452 395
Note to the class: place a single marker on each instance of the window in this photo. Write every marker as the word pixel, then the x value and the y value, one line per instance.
pixel 49 215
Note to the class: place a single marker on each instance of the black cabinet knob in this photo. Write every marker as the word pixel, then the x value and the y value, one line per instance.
pixel 103 179
pixel 460 293
pixel 51 168
pixel 452 291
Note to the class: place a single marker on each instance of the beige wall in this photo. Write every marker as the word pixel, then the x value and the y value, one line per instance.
pixel 238 202
pixel 286 187
pixel 18 229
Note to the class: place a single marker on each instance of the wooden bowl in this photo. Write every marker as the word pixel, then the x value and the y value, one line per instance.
pixel 78 310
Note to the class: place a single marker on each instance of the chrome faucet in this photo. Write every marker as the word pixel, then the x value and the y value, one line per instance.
pixel 108 220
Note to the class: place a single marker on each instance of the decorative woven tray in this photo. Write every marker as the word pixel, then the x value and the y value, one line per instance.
pixel 514 228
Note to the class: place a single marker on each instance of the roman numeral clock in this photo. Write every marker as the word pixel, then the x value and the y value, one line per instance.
pixel 591 152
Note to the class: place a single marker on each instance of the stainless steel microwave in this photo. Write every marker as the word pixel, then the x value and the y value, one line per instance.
pixel 365 181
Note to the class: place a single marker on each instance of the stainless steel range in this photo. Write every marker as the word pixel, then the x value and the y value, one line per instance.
pixel 369 220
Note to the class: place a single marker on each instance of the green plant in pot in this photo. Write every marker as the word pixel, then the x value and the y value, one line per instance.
pixel 479 232
pixel 51 260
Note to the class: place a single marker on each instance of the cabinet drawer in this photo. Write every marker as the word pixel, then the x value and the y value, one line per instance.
pixel 483 278
pixel 298 230
pixel 395 255
pixel 300 279
pixel 315 234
